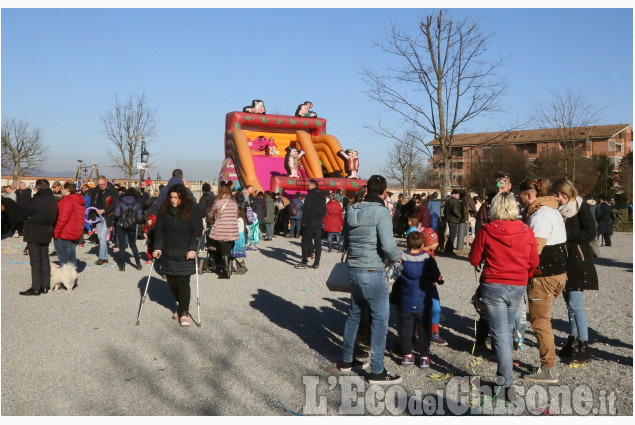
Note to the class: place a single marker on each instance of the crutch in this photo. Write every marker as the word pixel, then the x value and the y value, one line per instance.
pixel 198 299
pixel 145 292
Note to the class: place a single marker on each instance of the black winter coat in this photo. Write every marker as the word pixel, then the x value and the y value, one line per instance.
pixel 126 202
pixel 41 215
pixel 603 214
pixel 314 209
pixel 175 236
pixel 581 274
pixel 260 209
pixel 23 197
pixel 100 200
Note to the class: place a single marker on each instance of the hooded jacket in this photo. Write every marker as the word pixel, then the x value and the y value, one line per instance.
pixel 70 219
pixel 125 203
pixel 368 235
pixel 334 220
pixel 509 251
pixel 314 207
pixel 419 273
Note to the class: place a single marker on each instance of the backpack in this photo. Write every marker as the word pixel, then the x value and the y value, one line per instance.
pixel 294 209
pixel 250 215
pixel 128 220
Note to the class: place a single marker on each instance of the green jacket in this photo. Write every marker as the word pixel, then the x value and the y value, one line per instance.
pixel 453 210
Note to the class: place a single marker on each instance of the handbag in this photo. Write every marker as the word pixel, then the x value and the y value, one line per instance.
pixel 340 278
pixel 249 213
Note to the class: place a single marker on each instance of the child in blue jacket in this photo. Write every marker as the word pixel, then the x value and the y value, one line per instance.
pixel 416 282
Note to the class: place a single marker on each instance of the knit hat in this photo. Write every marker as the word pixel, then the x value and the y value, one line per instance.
pixel 430 237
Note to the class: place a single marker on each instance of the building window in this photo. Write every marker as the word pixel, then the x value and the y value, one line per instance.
pixel 457 165
pixel 532 149
pixel 619 147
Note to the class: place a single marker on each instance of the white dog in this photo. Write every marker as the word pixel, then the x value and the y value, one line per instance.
pixel 63 277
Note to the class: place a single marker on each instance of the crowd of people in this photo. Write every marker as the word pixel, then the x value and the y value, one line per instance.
pixel 529 249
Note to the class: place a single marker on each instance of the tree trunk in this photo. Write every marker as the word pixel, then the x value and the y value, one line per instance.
pixel 446 179
pixel 16 175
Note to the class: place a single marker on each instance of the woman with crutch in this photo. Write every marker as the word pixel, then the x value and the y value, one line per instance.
pixel 178 227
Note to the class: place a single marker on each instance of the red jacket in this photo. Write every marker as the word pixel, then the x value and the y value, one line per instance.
pixel 333 220
pixel 423 215
pixel 509 251
pixel 70 219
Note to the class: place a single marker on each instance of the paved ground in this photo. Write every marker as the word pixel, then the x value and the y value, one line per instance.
pixel 80 353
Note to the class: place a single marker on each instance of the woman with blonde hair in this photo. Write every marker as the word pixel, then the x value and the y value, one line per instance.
pixel 507 249
pixel 581 273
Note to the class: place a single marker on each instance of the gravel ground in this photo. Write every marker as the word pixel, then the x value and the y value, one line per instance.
pixel 80 353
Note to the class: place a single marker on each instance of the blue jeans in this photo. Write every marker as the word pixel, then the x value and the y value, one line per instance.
pixel 269 230
pixel 102 235
pixel 436 305
pixel 449 243
pixel 296 225
pixel 501 303
pixel 65 251
pixel 368 288
pixel 338 237
pixel 577 317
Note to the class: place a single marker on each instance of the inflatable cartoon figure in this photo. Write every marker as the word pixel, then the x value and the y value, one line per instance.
pixel 352 164
pixel 269 147
pixel 292 161
pixel 257 107
pixel 303 110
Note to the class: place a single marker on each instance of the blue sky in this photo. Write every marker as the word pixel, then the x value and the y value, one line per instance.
pixel 62 67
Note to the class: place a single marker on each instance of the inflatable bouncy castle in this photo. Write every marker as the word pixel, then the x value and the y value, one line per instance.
pixel 280 153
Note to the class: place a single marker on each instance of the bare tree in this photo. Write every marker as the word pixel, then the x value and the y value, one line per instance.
pixel 22 148
pixel 626 176
pixel 497 158
pixel 566 115
pixel 125 125
pixel 404 163
pixel 442 79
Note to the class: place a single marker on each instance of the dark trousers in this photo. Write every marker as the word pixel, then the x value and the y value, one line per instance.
pixel 180 287
pixel 311 235
pixel 482 329
pixel 406 323
pixel 131 236
pixel 222 253
pixel 449 243
pixel 606 238
pixel 40 265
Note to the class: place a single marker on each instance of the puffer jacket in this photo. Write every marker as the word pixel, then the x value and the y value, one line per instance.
pixel 125 203
pixel 70 219
pixel 175 236
pixel 509 251
pixel 419 273
pixel 333 220
pixel 368 235
pixel 299 206
pixel 223 223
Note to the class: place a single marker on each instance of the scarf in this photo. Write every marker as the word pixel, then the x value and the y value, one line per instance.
pixel 571 208
pixel 374 198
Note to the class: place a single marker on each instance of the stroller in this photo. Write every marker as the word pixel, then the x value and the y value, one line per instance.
pixel 208 260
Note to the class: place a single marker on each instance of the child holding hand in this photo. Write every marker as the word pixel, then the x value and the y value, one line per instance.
pixel 430 244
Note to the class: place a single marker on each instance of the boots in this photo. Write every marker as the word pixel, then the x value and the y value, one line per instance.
pixel 567 350
pixel 224 269
pixel 580 354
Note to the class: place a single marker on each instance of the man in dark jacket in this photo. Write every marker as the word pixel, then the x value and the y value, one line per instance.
pixel 41 213
pixel 23 197
pixel 207 199
pixel 603 216
pixel 452 213
pixel 104 197
pixel 312 223
pixel 177 178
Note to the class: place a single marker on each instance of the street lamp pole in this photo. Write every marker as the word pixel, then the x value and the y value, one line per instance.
pixel 143 159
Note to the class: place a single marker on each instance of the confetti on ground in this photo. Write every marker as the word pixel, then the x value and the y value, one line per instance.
pixel 308 290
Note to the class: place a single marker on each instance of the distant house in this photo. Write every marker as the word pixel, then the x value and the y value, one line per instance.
pixel 613 140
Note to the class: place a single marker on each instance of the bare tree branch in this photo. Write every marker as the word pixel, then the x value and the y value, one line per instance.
pixel 22 148
pixel 441 81
pixel 567 113
pixel 124 125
